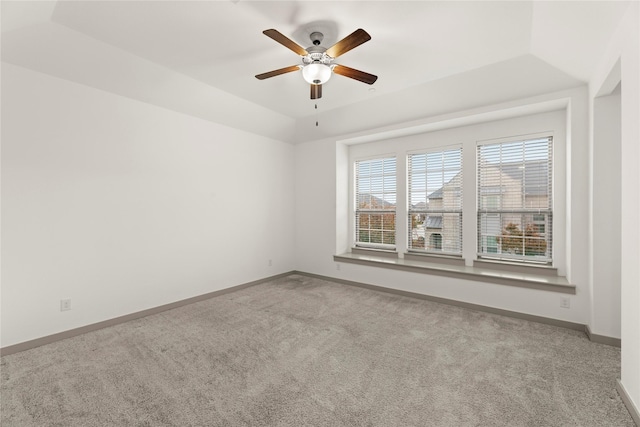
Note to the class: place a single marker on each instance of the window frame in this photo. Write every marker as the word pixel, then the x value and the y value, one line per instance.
pixel 552 122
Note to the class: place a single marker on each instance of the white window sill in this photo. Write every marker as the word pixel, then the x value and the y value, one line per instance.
pixel 387 253
pixel 481 274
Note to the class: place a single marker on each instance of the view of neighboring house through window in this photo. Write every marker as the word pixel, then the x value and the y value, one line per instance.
pixel 515 200
pixel 435 201
pixel 375 203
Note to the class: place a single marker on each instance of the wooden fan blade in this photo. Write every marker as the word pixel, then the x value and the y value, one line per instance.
pixel 316 91
pixel 352 73
pixel 277 72
pixel 285 41
pixel 354 39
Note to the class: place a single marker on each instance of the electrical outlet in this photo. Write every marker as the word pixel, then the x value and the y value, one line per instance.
pixel 337 266
pixel 65 304
pixel 270 263
pixel 565 302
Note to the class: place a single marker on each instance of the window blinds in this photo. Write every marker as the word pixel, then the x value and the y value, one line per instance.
pixel 515 203
pixel 375 202
pixel 435 201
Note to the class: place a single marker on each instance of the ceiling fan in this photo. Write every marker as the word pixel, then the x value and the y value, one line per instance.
pixel 317 62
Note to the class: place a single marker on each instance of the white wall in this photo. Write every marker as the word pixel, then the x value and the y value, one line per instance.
pixel 320 169
pixel 630 207
pixel 624 51
pixel 315 206
pixel 605 211
pixel 123 206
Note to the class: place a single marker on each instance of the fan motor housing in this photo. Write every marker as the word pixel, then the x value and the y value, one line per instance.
pixel 316 52
pixel 318 57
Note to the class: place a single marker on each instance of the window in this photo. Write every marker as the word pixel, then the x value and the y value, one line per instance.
pixel 435 201
pixel 375 202
pixel 515 200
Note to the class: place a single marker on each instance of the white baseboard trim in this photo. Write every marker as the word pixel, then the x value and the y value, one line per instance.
pixel 631 407
pixel 602 339
pixel 470 306
pixel 15 348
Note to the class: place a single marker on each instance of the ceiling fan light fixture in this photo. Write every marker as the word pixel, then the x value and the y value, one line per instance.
pixel 316 73
pixel 317 61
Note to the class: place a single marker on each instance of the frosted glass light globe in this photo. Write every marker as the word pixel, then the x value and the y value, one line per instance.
pixel 316 73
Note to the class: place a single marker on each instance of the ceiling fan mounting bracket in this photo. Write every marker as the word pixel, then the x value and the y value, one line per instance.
pixel 316 38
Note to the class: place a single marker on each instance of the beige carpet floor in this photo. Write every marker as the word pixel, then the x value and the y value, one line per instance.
pixel 300 351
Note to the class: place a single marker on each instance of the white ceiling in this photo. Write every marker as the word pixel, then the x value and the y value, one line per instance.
pixel 199 57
